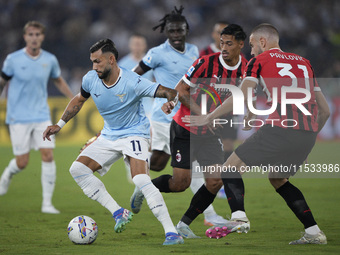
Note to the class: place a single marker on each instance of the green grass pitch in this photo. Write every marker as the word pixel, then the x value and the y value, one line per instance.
pixel 25 230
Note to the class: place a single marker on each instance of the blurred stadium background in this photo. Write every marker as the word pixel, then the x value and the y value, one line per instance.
pixel 310 28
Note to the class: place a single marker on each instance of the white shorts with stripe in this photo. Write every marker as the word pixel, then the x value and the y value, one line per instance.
pixel 106 152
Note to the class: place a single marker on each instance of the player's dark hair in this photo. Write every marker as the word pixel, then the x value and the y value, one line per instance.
pixel 175 15
pixel 236 31
pixel 106 45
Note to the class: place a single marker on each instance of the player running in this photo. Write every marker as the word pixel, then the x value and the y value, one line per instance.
pixel 117 93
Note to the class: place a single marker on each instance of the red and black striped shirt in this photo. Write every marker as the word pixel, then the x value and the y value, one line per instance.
pixel 206 77
pixel 277 69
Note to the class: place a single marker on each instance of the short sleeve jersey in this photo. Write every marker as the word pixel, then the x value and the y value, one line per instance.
pixel 168 65
pixel 275 69
pixel 120 104
pixel 208 77
pixel 27 93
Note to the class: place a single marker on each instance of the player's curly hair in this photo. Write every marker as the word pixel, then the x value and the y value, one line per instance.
pixel 175 15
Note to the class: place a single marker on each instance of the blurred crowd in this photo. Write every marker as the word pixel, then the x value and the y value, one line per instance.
pixel 310 28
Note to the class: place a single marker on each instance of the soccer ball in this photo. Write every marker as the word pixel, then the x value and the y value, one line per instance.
pixel 82 230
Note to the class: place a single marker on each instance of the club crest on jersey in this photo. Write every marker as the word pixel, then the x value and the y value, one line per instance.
pixel 178 157
pixel 121 97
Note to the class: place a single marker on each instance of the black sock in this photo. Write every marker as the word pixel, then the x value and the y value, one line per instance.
pixel 297 203
pixel 234 190
pixel 162 183
pixel 199 202
pixel 227 154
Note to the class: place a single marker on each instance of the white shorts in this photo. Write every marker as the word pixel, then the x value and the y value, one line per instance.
pixel 25 137
pixel 106 152
pixel 160 136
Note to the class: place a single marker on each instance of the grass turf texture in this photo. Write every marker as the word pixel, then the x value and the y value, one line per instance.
pixel 25 230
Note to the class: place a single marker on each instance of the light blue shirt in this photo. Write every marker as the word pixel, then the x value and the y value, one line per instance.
pixel 27 93
pixel 120 104
pixel 169 66
pixel 129 63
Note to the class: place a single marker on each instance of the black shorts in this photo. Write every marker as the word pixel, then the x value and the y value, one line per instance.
pixel 187 147
pixel 275 146
pixel 228 131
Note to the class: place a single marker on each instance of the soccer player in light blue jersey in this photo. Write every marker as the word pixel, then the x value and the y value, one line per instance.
pixel 117 93
pixel 169 62
pixel 29 70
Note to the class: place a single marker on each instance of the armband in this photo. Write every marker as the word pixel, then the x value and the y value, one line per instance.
pixel 61 123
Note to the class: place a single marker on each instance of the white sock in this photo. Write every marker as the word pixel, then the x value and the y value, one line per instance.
pixel 48 178
pixel 313 230
pixel 155 201
pixel 92 186
pixel 12 168
pixel 238 215
pixel 197 180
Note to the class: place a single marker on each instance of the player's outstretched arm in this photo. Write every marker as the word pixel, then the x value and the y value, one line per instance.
pixel 71 110
pixel 323 109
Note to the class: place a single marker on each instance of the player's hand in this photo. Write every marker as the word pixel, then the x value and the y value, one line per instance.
pixel 200 120
pixel 168 106
pixel 50 130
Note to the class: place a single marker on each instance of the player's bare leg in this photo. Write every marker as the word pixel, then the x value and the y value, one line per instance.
pixel 158 160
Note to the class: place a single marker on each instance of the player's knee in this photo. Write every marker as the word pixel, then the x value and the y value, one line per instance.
pixel 157 167
pixel 277 182
pixel 77 169
pixel 214 184
pixel 22 163
pixel 46 155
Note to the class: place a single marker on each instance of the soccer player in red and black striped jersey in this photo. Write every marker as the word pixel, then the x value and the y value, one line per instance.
pixel 290 133
pixel 210 73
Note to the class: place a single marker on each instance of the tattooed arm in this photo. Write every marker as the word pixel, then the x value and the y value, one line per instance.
pixel 71 110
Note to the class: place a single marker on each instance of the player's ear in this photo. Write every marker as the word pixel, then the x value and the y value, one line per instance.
pixel 112 59
pixel 241 43
pixel 263 42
